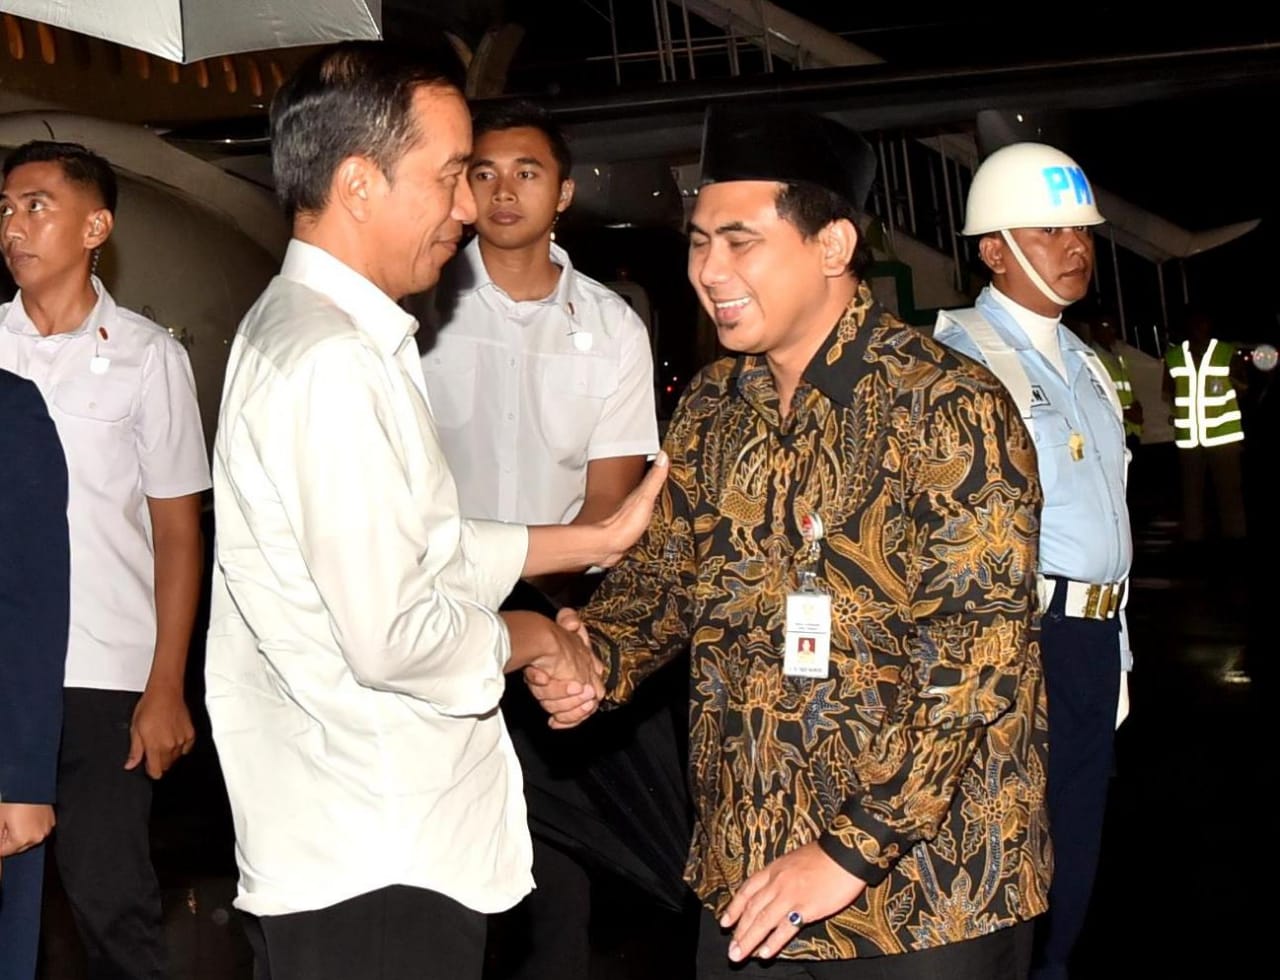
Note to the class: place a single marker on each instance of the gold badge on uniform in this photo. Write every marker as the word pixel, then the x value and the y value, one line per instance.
pixel 1075 445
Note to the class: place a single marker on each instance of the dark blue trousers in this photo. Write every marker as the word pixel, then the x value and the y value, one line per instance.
pixel 1082 682
pixel 20 891
pixel 102 843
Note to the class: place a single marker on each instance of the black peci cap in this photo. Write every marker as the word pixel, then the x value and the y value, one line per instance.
pixel 790 146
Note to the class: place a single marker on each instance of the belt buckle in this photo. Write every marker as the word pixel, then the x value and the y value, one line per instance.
pixel 1102 601
pixel 1092 597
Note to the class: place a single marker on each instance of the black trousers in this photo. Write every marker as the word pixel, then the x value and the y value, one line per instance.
pixel 395 933
pixel 546 936
pixel 1082 682
pixel 1001 955
pixel 20 891
pixel 102 843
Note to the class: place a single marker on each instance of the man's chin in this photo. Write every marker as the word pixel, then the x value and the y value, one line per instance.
pixel 738 340
pixel 508 237
pixel 23 280
pixel 1074 288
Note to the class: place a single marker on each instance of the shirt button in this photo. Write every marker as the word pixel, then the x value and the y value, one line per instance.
pixel 512 362
pixel 510 416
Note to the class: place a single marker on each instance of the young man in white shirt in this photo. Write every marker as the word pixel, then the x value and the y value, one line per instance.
pixel 122 396
pixel 541 379
pixel 541 382
pixel 355 656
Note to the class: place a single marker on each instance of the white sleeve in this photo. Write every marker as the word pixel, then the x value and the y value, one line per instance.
pixel 168 431
pixel 493 556
pixel 386 571
pixel 628 424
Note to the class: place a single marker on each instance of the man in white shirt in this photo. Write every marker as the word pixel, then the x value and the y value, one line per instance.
pixel 355 658
pixel 122 396
pixel 541 379
pixel 541 383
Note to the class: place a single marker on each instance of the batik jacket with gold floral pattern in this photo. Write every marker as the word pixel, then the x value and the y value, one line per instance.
pixel 918 763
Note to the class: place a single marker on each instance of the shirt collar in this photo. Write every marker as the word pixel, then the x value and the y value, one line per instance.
pixel 835 368
pixel 472 263
pixel 373 311
pixel 478 277
pixel 561 258
pixel 17 321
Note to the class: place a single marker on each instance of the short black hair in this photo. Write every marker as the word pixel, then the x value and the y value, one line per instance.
pixel 353 99
pixel 523 114
pixel 811 208
pixel 79 164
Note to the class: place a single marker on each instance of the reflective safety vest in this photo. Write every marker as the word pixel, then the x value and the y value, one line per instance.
pixel 1205 409
pixel 1118 370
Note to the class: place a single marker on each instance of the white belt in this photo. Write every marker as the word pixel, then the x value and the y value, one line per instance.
pixel 1084 600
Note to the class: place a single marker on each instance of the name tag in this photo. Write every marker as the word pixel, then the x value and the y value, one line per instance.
pixel 807 641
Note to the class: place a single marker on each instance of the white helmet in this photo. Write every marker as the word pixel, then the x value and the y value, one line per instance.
pixel 1029 185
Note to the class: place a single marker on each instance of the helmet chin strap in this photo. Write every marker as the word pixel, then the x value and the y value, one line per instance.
pixel 1036 279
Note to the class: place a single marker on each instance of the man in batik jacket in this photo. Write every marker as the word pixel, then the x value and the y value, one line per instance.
pixel 847 543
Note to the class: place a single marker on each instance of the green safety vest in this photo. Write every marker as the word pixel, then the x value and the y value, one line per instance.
pixel 1118 371
pixel 1205 409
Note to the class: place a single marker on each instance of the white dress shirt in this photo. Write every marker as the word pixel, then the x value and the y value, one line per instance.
pixel 355 661
pixel 527 393
pixel 122 396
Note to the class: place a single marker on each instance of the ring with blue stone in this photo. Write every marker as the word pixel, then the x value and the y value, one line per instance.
pixel 795 918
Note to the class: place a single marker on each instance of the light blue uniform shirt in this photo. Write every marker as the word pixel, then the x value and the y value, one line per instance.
pixel 1084 528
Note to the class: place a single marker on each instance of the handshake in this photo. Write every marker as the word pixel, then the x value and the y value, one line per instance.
pixel 562 673
pixel 560 669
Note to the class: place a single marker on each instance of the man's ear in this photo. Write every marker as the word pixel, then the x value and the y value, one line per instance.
pixel 838 240
pixel 98 230
pixel 994 255
pixel 566 195
pixel 357 184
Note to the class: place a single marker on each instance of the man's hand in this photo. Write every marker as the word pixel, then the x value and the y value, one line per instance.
pixel 161 731
pixel 560 696
pixel 560 660
pixel 623 528
pixel 564 547
pixel 803 881
pixel 23 826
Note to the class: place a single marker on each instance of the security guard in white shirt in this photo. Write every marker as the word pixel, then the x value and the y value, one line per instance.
pixel 1034 209
pixel 122 396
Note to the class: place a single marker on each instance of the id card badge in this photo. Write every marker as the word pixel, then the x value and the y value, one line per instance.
pixel 807 641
